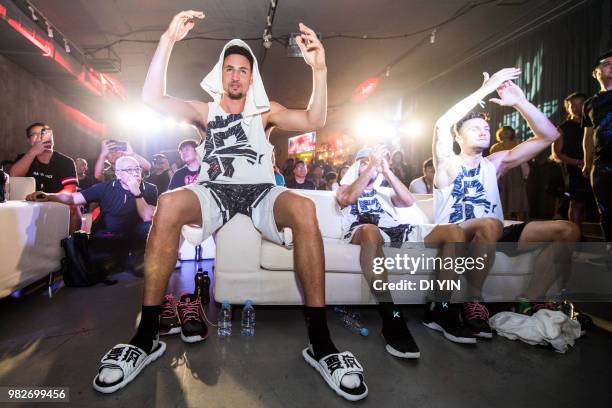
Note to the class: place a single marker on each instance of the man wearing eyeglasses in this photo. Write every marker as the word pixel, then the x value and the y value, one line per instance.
pixel 53 171
pixel 126 205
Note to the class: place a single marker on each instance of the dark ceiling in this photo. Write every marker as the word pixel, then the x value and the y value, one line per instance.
pixel 93 24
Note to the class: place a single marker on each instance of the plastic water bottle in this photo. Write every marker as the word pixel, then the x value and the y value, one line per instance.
pixel 248 319
pixel 224 322
pixel 351 321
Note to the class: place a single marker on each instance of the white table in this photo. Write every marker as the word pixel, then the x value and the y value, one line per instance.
pixel 30 235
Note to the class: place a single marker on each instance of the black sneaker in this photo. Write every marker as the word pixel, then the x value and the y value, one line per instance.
pixel 476 318
pixel 445 319
pixel 169 322
pixel 400 342
pixel 193 327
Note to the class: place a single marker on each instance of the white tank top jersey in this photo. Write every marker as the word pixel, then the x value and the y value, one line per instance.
pixel 234 151
pixel 473 194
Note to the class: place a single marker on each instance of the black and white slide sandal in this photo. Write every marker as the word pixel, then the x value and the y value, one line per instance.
pixel 130 360
pixel 334 367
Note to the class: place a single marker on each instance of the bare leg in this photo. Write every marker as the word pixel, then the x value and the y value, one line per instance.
pixel 555 260
pixel 449 238
pixel 483 234
pixel 174 209
pixel 295 211
pixel 292 210
pixel 371 241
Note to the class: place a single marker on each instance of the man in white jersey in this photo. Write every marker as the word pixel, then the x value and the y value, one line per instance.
pixel 465 184
pixel 370 219
pixel 235 177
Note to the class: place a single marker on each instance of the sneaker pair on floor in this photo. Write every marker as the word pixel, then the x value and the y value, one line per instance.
pixel 184 316
pixel 459 326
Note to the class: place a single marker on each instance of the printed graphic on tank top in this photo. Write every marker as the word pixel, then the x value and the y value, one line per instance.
pixel 378 206
pixel 473 194
pixel 235 151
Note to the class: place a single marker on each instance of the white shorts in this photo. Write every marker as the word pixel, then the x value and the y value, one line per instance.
pixel 220 202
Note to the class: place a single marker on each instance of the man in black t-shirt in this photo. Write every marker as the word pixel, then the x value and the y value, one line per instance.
pixel 299 181
pixel 189 173
pixel 126 210
pixel 597 119
pixel 568 150
pixel 53 171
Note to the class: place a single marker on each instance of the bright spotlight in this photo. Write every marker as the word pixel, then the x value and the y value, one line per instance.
pixel 375 129
pixel 183 124
pixel 413 128
pixel 170 123
pixel 124 117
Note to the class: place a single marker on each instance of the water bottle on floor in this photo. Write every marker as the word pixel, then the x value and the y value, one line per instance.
pixel 351 321
pixel 248 319
pixel 224 322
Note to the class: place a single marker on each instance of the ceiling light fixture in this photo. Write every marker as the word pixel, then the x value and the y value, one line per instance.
pixel 34 16
pixel 49 29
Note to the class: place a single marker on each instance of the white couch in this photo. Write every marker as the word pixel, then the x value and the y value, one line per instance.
pixel 30 240
pixel 248 267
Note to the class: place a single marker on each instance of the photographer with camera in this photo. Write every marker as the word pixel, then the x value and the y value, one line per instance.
pixel 370 219
pixel 111 151
pixel 161 173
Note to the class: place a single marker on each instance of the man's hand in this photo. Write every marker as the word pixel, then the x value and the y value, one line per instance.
pixel 106 148
pixel 490 84
pixel 311 48
pixel 377 156
pixel 181 24
pixel 133 185
pixel 509 95
pixel 37 196
pixel 38 147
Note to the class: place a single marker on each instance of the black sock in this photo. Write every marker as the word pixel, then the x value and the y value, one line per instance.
pixel 148 329
pixel 318 333
pixel 392 318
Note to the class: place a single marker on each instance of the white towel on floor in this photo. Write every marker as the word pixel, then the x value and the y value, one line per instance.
pixel 256 99
pixel 544 327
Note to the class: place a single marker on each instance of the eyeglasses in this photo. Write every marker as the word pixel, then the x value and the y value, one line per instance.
pixel 132 170
pixel 43 131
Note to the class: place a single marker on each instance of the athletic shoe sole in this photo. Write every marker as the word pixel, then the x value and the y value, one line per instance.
pixel 448 336
pixel 484 335
pixel 399 354
pixel 174 330
pixel 193 339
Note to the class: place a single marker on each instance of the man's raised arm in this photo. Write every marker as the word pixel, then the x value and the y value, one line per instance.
pixel 544 132
pixel 443 138
pixel 313 118
pixel 154 90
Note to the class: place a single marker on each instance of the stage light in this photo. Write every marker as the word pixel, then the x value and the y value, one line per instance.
pixel 124 117
pixel 170 123
pixel 183 124
pixel 413 128
pixel 67 47
pixel 49 29
pixel 34 16
pixel 375 130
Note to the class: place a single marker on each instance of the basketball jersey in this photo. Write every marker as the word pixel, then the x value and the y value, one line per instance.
pixel 235 151
pixel 473 194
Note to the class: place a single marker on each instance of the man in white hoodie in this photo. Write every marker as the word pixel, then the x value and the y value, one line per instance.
pixel 235 177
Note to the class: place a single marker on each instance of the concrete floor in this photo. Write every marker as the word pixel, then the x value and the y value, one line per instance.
pixel 59 341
